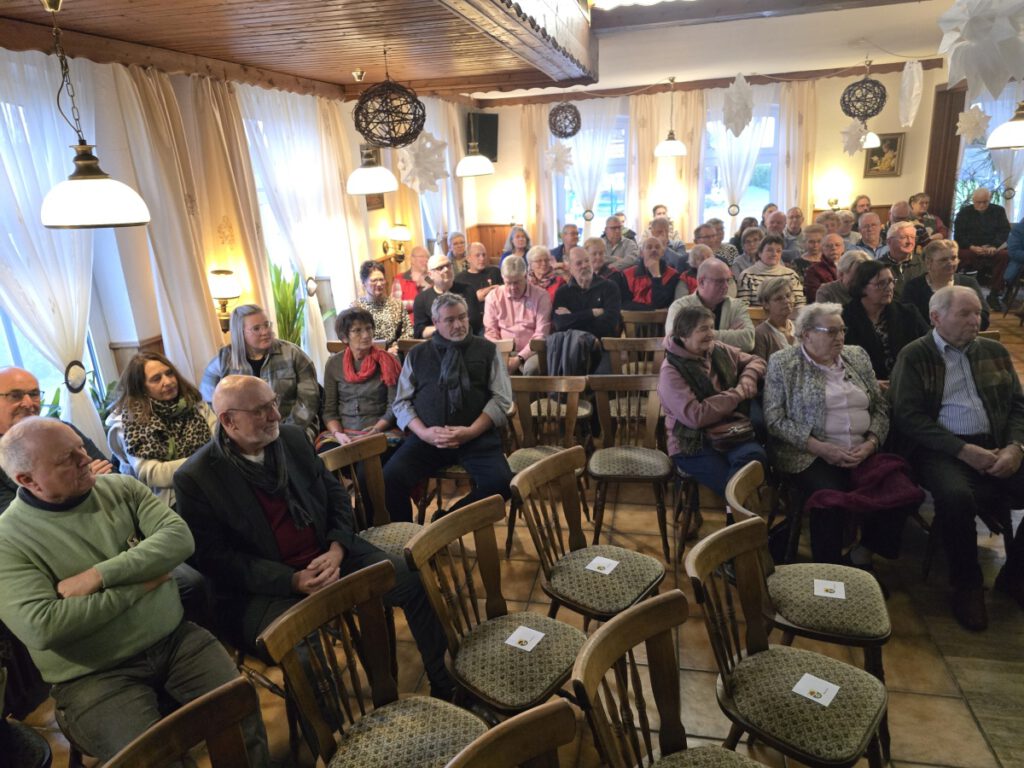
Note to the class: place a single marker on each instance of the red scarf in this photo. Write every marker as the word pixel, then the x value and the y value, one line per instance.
pixel 376 360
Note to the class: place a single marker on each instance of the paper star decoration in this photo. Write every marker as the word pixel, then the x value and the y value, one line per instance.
pixel 972 124
pixel 559 157
pixel 982 42
pixel 422 163
pixel 853 137
pixel 738 109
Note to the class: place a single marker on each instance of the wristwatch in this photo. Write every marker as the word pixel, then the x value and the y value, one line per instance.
pixel 1019 445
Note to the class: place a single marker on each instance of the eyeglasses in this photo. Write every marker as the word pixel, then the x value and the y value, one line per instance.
pixel 715 280
pixel 17 395
pixel 267 326
pixel 883 284
pixel 832 332
pixel 264 411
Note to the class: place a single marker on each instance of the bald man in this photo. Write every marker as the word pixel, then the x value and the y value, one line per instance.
pixel 272 525
pixel 981 230
pixel 85 564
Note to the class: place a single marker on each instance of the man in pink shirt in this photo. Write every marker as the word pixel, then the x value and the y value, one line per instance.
pixel 519 311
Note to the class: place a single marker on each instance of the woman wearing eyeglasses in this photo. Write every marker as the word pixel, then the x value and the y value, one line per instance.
pixel 255 351
pixel 826 419
pixel 390 319
pixel 881 326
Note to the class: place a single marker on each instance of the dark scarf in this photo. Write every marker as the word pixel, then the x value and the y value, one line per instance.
pixel 175 430
pixel 271 476
pixel 692 371
pixel 454 377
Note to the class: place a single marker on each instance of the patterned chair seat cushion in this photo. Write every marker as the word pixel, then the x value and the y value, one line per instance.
pixel 391 538
pixel 547 405
pixel 524 458
pixel 409 733
pixel 455 471
pixel 629 461
pixel 513 678
pixel 706 757
pixel 605 594
pixel 763 696
pixel 862 614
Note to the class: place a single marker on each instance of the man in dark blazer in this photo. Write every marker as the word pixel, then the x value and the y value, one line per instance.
pixel 271 524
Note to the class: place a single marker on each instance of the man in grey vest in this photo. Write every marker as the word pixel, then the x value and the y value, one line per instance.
pixel 452 397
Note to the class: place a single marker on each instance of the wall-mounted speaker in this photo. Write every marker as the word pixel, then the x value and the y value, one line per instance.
pixel 485 128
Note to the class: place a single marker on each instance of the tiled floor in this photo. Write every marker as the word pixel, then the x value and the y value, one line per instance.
pixel 956 698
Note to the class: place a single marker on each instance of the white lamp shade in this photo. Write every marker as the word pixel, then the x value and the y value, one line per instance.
pixel 871 140
pixel 1009 135
pixel 371 180
pixel 399 233
pixel 671 147
pixel 224 284
pixel 474 164
pixel 93 202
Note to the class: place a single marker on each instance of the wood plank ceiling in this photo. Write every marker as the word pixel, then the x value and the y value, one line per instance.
pixel 434 45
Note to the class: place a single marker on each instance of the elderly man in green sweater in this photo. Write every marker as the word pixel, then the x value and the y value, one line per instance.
pixel 85 565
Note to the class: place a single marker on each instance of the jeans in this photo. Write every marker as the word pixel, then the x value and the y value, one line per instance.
pixel 104 711
pixel 713 469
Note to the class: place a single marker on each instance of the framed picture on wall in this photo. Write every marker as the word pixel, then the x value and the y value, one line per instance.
pixel 887 159
pixel 375 202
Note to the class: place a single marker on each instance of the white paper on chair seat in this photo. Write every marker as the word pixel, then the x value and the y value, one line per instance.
pixel 603 565
pixel 524 638
pixel 833 589
pixel 817 690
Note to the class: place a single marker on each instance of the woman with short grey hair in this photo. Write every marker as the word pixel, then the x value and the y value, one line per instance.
pixel 838 291
pixel 776 331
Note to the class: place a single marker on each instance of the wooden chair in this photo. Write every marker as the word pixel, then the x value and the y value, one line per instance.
pixel 350 728
pixel 615 691
pixel 404 345
pixel 634 356
pixel 336 345
pixel 544 424
pixel 993 334
pixel 372 520
pixel 530 740
pixel 645 323
pixel 756 681
pixel 540 346
pixel 215 718
pixel 629 409
pixel 549 495
pixel 757 314
pixel 505 346
pixel 861 620
pixel 457 558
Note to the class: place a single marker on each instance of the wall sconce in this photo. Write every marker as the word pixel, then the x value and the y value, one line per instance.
pixel 224 287
pixel 833 203
pixel 400 235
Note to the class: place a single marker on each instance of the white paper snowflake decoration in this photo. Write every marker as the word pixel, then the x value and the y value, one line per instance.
pixel 972 124
pixel 853 137
pixel 422 163
pixel 738 109
pixel 982 42
pixel 559 157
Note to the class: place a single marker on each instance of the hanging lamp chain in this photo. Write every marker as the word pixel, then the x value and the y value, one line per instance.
pixel 75 121
pixel 671 103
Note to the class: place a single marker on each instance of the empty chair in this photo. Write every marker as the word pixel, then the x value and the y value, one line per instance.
pixel 349 727
pixel 530 739
pixel 756 681
pixel 616 693
pixel 644 323
pixel 457 557
pixel 634 356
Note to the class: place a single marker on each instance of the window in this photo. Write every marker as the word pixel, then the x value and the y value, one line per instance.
pixel 763 182
pixel 612 195
pixel 977 170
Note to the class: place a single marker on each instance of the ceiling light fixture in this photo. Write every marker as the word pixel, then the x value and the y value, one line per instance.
pixel 871 140
pixel 671 146
pixel 474 163
pixel 88 198
pixel 1009 135
pixel 370 178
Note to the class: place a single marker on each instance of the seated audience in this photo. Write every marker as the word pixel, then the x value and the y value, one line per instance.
pixel 861 205
pixel 827 418
pixel 285 367
pixel 824 271
pixel 272 525
pixel 775 224
pixel 453 396
pixel 85 562
pixel 359 383
pixel 752 237
pixel 900 257
pixel 768 265
pixel 737 239
pixel 541 269
pixel 390 319
pixel 620 252
pixel 940 263
pixel 626 231
pixel 20 398
pixel 814 236
pixel 479 276
pixel 407 285
pixel 518 311
pixel 981 229
pixel 723 250
pixel 587 302
pixel 838 291
pixel 697 256
pixel 517 243
pixel 442 281
pixel 775 332
pixel 766 213
pixel 900 211
pixel 846 228
pixel 932 224
pixel 732 325
pixel 570 239
pixel 661 212
pixel 829 220
pixel 457 248
pixel 703 383
pixel 957 403
pixel 870 231
pixel 876 322
pixel 157 421
pixel 652 283
pixel 794 233
pixel 674 257
pixel 595 247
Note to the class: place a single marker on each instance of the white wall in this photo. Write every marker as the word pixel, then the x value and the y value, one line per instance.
pixel 501 198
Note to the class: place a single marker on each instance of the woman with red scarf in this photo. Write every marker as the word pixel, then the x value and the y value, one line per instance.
pixel 359 384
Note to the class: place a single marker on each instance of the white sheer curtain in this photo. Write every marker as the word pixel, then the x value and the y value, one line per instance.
pixel 589 146
pixel 541 218
pixel 284 141
pixel 796 126
pixel 45 274
pixel 442 207
pixel 1008 163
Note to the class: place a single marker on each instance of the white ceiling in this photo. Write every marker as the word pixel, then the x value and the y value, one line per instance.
pixel 635 58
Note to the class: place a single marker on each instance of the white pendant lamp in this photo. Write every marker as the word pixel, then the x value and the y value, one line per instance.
pixel 370 178
pixel 474 163
pixel 1009 135
pixel 671 146
pixel 871 140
